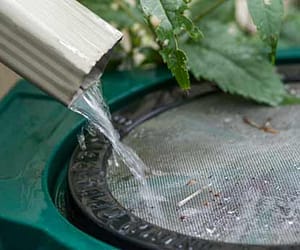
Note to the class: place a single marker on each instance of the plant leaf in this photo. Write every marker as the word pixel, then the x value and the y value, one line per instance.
pixel 290 35
pixel 167 18
pixel 120 17
pixel 267 15
pixel 224 13
pixel 177 63
pixel 236 68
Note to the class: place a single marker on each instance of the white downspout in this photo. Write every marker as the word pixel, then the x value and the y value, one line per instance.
pixel 59 45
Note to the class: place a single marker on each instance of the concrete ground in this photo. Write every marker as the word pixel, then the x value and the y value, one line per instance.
pixel 7 79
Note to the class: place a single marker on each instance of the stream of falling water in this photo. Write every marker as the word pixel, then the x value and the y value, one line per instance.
pixel 93 107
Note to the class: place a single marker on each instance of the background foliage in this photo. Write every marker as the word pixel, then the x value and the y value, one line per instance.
pixel 204 39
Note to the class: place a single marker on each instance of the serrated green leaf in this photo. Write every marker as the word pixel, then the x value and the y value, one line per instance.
pixel 177 63
pixel 236 68
pixel 168 19
pixel 184 23
pixel 267 16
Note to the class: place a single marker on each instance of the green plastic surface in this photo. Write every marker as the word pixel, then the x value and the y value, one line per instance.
pixel 36 143
pixel 285 56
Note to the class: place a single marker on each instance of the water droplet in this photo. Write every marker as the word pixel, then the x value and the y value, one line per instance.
pixel 122 120
pixel 196 234
pixel 81 141
pixel 167 242
pixel 157 172
pixel 297 166
pixel 129 122
pixel 210 230
pixel 145 235
pixel 116 118
pixel 143 227
pixel 231 211
pixel 227 199
pixel 227 120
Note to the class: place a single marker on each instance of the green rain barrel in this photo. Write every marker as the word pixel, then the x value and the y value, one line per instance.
pixel 54 195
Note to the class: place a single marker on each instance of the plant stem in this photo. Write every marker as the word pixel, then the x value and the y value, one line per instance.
pixel 209 10
pixel 273 53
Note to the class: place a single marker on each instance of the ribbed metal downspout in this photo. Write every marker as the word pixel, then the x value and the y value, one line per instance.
pixel 57 44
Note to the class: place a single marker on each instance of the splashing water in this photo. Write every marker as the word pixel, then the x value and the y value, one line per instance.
pixel 93 107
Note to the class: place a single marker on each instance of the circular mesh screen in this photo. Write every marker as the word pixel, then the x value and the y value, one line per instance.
pixel 244 158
